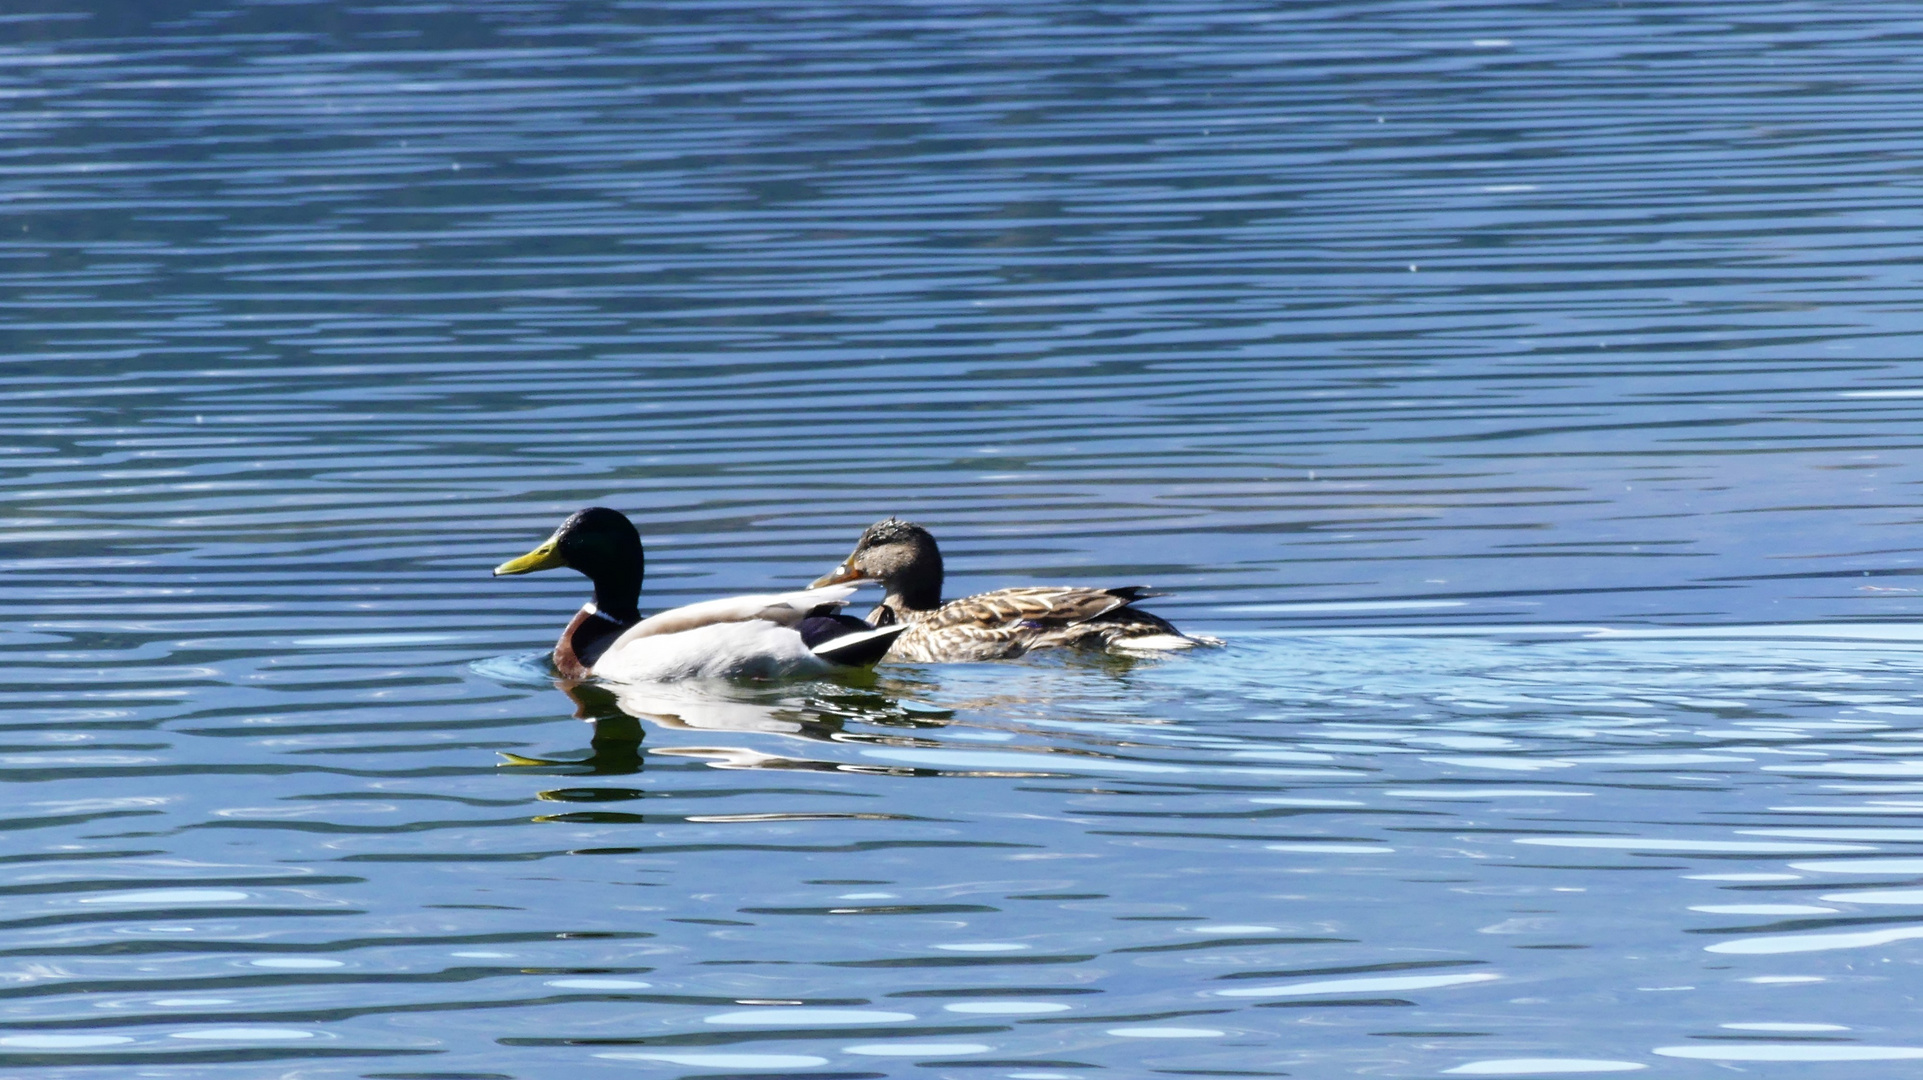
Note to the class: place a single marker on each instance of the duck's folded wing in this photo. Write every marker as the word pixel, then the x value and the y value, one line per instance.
pixel 787 609
pixel 1044 605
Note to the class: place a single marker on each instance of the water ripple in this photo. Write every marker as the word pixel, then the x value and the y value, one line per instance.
pixel 1524 392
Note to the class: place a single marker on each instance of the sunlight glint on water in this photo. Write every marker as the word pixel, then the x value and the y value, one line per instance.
pixel 1526 393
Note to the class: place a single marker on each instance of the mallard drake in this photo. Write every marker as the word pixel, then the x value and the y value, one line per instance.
pixel 999 625
pixel 767 636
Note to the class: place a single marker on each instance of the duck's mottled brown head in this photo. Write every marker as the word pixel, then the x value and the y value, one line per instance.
pixel 902 556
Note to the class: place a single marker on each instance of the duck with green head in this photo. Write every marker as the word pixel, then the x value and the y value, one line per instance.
pixel 762 636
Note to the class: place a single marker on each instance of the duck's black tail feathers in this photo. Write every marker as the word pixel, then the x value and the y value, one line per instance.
pixel 844 639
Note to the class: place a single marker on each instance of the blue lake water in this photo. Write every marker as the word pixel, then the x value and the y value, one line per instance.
pixel 1526 392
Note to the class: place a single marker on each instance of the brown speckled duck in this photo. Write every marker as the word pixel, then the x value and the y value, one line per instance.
pixel 999 625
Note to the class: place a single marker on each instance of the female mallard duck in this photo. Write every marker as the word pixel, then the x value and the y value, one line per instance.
pixel 997 625
pixel 796 633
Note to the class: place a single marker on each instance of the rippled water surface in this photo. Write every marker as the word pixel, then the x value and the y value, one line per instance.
pixel 1526 392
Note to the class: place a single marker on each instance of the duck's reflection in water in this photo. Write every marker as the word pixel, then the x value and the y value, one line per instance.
pixel 817 711
pixel 613 750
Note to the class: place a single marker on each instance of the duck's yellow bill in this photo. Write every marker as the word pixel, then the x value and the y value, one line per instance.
pixel 839 574
pixel 545 557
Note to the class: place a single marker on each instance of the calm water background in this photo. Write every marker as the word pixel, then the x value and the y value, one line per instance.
pixel 1527 391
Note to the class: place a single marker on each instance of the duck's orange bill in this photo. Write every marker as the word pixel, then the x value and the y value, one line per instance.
pixel 839 574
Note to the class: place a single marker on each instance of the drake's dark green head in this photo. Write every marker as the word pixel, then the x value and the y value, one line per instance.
pixel 600 543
